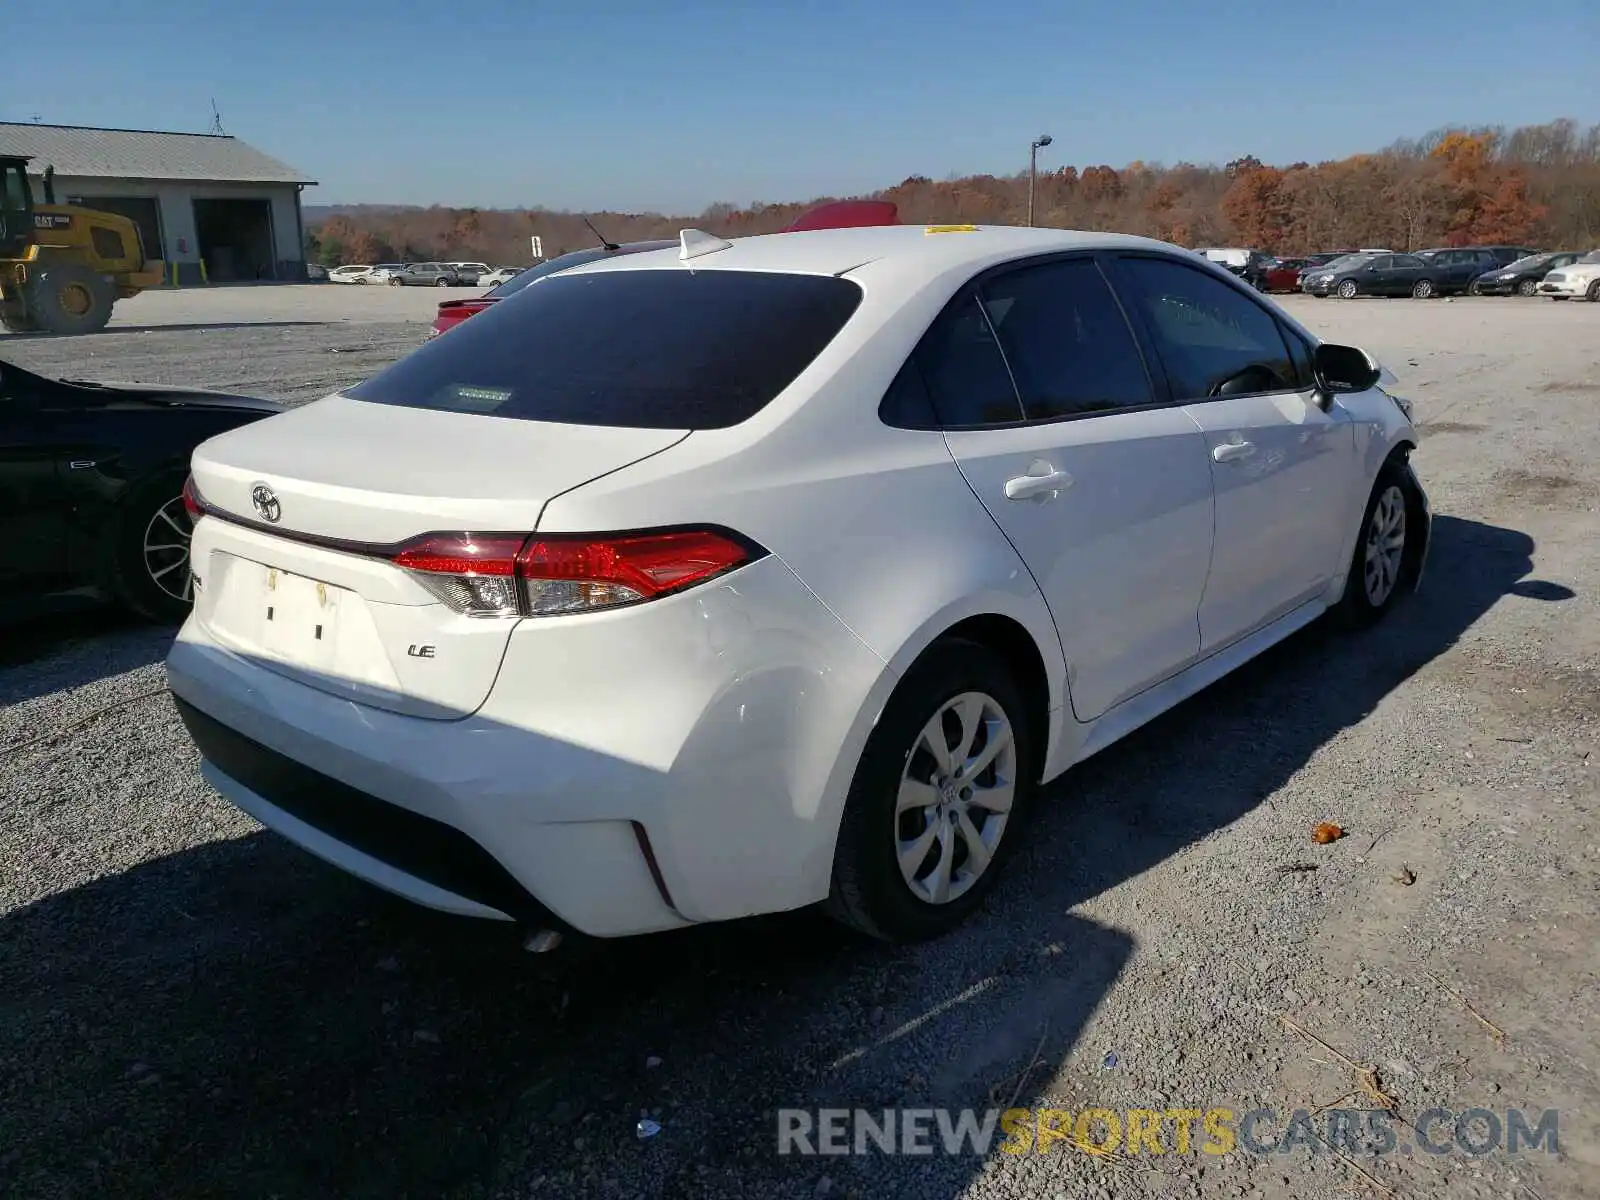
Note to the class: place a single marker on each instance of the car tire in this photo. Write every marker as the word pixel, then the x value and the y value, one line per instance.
pixel 152 581
pixel 394 282
pixel 1348 290
pixel 1384 558
pixel 1593 294
pixel 1474 288
pixel 1528 287
pixel 957 688
pixel 1422 289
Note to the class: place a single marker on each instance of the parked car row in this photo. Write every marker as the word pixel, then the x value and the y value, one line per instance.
pixel 424 274
pixel 1443 271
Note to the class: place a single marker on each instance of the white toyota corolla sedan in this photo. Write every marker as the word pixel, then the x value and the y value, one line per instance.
pixel 741 576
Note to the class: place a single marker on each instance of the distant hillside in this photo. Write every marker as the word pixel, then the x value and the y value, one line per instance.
pixel 1536 185
pixel 317 213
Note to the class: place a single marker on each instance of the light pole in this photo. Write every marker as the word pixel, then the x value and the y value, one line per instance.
pixel 1038 144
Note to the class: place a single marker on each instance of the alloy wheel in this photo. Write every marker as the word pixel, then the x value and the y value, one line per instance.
pixel 1347 289
pixel 1386 543
pixel 955 797
pixel 166 550
pixel 1422 290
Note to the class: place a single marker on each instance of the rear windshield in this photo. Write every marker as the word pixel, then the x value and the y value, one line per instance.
pixel 655 349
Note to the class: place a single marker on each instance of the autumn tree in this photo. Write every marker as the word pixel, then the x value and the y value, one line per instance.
pixel 1538 185
pixel 1257 206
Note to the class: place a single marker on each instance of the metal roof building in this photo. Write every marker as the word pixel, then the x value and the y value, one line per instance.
pixel 212 206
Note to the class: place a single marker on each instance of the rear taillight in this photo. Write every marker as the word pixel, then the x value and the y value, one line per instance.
pixel 510 574
pixel 192 504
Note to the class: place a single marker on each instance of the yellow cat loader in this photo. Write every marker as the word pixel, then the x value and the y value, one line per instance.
pixel 62 267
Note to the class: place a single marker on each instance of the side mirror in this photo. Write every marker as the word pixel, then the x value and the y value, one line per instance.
pixel 1340 370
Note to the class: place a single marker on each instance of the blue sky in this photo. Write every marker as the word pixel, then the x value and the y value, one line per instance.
pixel 636 105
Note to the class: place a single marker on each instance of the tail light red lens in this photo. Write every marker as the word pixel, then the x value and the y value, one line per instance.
pixel 192 504
pixel 511 574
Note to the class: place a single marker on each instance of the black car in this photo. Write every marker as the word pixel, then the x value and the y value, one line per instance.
pixel 1523 276
pixel 1455 267
pixel 91 489
pixel 1371 275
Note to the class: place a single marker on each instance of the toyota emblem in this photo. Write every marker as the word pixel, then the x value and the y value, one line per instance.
pixel 266 502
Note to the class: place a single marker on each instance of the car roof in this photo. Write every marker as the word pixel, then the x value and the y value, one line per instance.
pixel 908 251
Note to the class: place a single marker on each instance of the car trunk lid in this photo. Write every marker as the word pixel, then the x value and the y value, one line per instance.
pixel 294 566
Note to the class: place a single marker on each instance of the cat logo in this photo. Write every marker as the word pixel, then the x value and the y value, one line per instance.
pixel 416 651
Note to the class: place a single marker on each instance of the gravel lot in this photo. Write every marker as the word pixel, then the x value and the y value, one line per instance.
pixel 189 1006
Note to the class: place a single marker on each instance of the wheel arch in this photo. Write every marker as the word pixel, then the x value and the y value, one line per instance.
pixel 1022 633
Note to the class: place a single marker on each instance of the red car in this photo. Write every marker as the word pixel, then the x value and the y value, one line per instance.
pixel 840 214
pixel 1284 274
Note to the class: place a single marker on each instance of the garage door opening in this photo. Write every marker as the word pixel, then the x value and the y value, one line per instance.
pixel 143 211
pixel 235 239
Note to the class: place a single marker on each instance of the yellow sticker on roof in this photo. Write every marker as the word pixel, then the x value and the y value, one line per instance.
pixel 951 229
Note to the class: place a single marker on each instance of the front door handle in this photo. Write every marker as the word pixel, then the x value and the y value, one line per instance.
pixel 1042 482
pixel 1228 451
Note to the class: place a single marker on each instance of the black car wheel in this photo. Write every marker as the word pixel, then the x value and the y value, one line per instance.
pixel 1528 287
pixel 1347 289
pixel 150 551
pixel 1475 288
pixel 1593 294
pixel 1422 289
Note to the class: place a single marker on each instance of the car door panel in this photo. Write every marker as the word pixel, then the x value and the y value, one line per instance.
pixel 1279 462
pixel 1276 547
pixel 1104 492
pixel 1120 549
pixel 33 517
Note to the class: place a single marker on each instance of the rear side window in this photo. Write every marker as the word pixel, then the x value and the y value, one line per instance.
pixel 660 349
pixel 964 372
pixel 1066 339
pixel 1213 341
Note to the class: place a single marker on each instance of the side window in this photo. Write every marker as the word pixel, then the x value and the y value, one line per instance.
pixel 15 183
pixel 1300 356
pixel 1384 262
pixel 1213 341
pixel 907 405
pixel 1066 339
pixel 964 371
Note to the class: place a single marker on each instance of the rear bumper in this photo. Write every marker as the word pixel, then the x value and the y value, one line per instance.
pixel 630 772
pixel 419 857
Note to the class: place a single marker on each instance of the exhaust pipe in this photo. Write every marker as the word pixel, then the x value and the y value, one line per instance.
pixel 541 941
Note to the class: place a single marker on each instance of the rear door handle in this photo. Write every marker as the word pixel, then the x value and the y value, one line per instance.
pixel 1228 451
pixel 1041 482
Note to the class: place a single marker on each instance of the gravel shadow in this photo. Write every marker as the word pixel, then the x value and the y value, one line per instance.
pixel 238 1019
pixel 73 647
